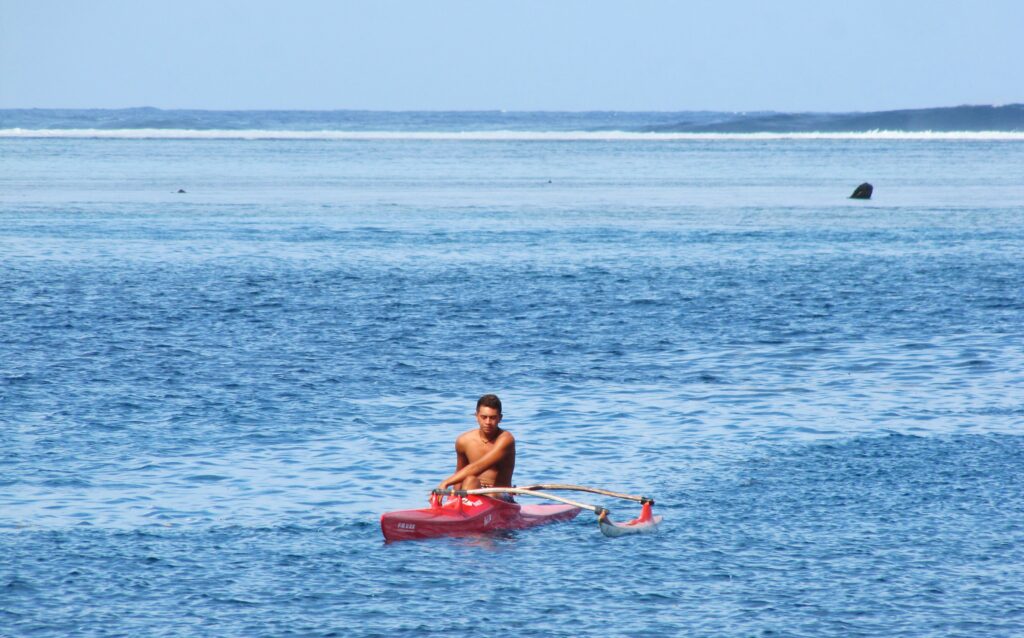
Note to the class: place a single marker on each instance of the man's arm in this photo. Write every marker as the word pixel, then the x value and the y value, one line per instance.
pixel 484 463
pixel 461 460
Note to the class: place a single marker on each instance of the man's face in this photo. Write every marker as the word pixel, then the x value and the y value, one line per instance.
pixel 488 418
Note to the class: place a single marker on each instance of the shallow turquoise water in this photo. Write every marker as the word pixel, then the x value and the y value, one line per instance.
pixel 209 398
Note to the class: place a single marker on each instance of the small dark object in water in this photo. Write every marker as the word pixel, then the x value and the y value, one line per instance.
pixel 863 191
pixel 181 190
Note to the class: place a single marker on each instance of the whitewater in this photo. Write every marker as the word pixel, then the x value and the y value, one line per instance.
pixel 499 135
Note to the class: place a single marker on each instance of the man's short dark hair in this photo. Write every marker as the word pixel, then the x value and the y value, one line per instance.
pixel 489 401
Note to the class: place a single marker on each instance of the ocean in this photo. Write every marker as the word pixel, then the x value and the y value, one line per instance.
pixel 230 341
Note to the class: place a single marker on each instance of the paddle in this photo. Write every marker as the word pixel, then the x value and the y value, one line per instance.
pixel 520 490
pixel 643 524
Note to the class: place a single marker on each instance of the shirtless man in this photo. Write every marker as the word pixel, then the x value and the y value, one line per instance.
pixel 485 456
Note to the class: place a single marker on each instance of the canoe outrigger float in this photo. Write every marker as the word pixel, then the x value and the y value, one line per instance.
pixel 472 512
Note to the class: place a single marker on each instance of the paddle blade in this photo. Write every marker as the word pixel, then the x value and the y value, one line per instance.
pixel 646 523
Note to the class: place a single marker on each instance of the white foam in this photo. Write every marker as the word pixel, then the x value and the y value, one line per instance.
pixel 538 136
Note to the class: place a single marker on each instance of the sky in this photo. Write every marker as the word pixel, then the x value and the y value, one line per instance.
pixel 568 55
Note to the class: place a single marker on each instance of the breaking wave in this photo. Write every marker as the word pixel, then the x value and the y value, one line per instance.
pixel 960 122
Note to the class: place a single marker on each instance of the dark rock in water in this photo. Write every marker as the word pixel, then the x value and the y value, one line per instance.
pixel 181 190
pixel 863 191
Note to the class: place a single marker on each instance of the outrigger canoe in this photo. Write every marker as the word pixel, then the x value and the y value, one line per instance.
pixel 474 512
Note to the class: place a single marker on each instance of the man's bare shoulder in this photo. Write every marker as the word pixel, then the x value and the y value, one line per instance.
pixel 471 435
pixel 464 438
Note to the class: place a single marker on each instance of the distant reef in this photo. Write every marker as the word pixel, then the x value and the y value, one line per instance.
pixel 1009 117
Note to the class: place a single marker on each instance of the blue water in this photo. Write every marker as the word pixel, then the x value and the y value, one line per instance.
pixel 208 398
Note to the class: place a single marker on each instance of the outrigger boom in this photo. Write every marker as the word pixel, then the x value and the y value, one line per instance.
pixel 592 490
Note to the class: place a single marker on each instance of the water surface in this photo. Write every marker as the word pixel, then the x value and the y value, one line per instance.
pixel 208 398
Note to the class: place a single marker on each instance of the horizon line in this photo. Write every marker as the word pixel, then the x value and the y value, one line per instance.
pixel 501 110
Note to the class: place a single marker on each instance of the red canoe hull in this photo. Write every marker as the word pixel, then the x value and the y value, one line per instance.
pixel 470 516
